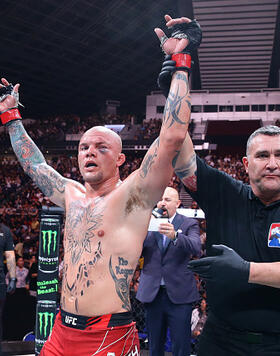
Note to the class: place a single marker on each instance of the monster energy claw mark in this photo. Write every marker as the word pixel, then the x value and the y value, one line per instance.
pixel 45 323
pixel 49 247
pixel 49 236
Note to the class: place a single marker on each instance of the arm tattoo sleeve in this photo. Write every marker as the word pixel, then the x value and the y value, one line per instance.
pixel 174 161
pixel 187 174
pixel 11 264
pixel 25 149
pixel 149 159
pixel 33 162
pixel 174 103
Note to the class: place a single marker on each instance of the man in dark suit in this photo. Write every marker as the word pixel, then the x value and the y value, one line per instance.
pixel 167 288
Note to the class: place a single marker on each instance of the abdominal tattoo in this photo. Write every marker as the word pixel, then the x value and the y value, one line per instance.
pixel 81 226
pixel 122 278
pixel 81 281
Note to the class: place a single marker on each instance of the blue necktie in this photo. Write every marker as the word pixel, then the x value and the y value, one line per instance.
pixel 164 241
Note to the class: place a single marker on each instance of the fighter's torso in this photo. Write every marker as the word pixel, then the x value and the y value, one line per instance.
pixel 102 244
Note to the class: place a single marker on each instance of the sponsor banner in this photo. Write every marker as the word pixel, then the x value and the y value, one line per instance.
pixel 49 245
pixel 48 260
pixel 45 316
pixel 47 287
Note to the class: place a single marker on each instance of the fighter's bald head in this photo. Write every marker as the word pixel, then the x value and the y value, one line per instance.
pixel 108 134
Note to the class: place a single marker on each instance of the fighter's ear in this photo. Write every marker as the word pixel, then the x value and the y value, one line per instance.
pixel 245 163
pixel 121 159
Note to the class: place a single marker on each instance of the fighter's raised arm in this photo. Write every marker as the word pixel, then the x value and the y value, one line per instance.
pixel 185 162
pixel 50 182
pixel 159 162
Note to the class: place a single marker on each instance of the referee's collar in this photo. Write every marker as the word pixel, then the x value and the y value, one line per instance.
pixel 252 196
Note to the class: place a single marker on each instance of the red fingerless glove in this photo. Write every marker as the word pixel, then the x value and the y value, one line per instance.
pixel 183 61
pixel 10 115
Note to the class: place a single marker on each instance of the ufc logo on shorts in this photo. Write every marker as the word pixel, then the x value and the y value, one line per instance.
pixel 70 320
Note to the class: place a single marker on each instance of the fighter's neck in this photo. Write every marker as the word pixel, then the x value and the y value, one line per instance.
pixel 102 189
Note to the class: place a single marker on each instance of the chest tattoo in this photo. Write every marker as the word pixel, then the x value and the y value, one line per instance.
pixel 81 227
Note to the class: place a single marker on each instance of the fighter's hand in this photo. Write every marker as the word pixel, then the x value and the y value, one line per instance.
pixel 226 268
pixel 167 229
pixel 172 45
pixel 11 286
pixel 11 100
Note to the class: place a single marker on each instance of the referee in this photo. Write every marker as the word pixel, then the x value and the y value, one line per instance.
pixel 244 317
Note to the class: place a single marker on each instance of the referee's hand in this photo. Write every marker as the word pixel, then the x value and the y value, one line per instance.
pixel 226 267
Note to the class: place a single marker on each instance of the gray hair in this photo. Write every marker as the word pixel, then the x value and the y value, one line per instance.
pixel 269 130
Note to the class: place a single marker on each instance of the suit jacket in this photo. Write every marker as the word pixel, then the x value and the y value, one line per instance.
pixel 170 263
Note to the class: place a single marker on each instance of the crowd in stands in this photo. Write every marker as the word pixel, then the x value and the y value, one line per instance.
pixel 231 164
pixel 149 130
pixel 54 129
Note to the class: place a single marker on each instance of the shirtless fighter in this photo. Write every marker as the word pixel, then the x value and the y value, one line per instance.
pixel 106 219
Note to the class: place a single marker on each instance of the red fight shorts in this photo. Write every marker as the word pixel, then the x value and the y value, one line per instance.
pixel 106 335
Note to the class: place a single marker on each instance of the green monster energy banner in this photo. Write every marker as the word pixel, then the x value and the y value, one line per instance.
pixel 45 315
pixel 48 260
pixel 47 280
pixel 49 245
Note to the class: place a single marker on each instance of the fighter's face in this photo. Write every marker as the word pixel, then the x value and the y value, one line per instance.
pixel 263 166
pixel 98 157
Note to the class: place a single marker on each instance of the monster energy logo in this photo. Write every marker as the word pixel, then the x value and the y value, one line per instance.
pixel 45 321
pixel 47 237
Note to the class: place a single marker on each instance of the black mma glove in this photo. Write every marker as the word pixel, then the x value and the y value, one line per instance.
pixel 190 31
pixel 165 75
pixel 10 111
pixel 226 268
pixel 182 60
pixel 11 286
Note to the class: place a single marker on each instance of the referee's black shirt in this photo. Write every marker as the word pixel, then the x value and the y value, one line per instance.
pixel 237 218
